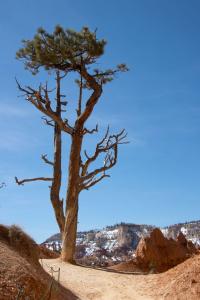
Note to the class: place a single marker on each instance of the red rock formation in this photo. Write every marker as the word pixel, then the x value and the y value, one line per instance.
pixel 157 253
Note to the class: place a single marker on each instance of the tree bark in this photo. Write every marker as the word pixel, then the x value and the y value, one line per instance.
pixel 55 188
pixel 70 229
pixel 57 170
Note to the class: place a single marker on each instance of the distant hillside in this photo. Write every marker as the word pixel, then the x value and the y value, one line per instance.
pixel 190 229
pixel 117 243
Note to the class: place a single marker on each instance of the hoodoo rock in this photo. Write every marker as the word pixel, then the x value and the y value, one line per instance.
pixel 157 253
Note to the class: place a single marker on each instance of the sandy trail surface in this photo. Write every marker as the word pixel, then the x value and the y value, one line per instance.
pixel 98 284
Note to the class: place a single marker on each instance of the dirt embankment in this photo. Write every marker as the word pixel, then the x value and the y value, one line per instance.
pixel 21 274
pixel 181 282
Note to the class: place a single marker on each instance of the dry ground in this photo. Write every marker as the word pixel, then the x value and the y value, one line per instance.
pixel 179 283
pixel 91 284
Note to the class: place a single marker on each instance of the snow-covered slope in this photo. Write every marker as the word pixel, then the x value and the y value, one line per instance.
pixel 191 230
pixel 117 243
pixel 112 244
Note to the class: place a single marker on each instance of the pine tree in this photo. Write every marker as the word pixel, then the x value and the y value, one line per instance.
pixel 63 52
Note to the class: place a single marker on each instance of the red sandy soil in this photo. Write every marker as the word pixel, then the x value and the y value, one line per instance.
pixel 22 274
pixel 179 283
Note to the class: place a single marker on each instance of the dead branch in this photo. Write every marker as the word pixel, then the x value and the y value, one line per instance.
pixel 40 99
pixel 63 102
pixel 85 130
pixel 21 182
pixel 45 159
pixel 48 122
pixel 92 182
pixel 109 146
pixel 104 146
pixel 93 99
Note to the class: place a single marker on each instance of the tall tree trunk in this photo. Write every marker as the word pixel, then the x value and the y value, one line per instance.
pixel 56 183
pixel 57 171
pixel 70 229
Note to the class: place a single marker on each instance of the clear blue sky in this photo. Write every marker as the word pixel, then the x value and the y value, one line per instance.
pixel 158 101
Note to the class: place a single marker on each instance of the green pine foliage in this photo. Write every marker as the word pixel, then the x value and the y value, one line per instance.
pixel 66 50
pixel 63 49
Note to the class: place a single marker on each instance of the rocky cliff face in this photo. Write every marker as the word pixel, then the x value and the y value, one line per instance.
pixel 117 243
pixel 111 245
pixel 155 253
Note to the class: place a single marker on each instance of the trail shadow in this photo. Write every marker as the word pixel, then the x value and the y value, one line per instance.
pixel 112 270
pixel 57 291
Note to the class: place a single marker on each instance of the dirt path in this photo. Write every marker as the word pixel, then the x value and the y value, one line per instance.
pixel 97 284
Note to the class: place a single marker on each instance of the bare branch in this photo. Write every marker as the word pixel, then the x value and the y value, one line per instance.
pixel 104 138
pixel 21 182
pixel 48 122
pixel 85 130
pixel 44 158
pixel 96 154
pixel 45 89
pixel 108 145
pixel 42 102
pixel 86 155
pixel 63 102
pixel 91 183
pixel 66 122
pixel 93 99
pixel 64 75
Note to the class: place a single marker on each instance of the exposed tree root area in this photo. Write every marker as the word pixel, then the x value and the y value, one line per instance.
pixel 181 282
